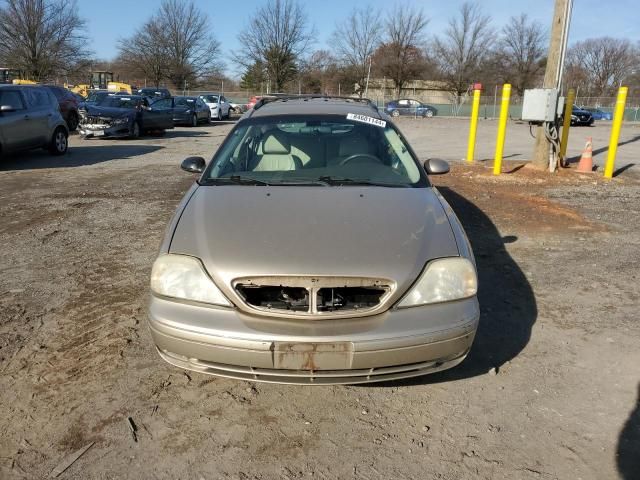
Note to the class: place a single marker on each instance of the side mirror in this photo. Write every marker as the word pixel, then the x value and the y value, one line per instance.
pixel 436 166
pixel 193 164
pixel 7 109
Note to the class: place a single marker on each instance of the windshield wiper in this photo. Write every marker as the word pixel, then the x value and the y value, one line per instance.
pixel 329 180
pixel 239 179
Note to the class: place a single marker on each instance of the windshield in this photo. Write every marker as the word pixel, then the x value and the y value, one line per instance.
pixel 184 102
pixel 117 101
pixel 324 150
pixel 210 98
pixel 96 96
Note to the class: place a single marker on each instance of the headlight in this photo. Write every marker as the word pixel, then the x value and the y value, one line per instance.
pixel 184 277
pixel 188 111
pixel 442 281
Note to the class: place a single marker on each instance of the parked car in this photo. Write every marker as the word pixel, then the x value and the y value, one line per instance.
pixel 154 92
pixel 93 97
pixel 190 111
pixel 314 249
pixel 30 118
pixel 408 106
pixel 252 101
pixel 68 105
pixel 580 117
pixel 124 116
pixel 218 105
pixel 236 107
pixel 598 114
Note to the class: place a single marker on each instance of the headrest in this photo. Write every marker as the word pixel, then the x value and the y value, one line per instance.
pixel 275 144
pixel 353 144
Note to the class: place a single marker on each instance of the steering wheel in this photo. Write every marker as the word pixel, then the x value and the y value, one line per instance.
pixel 359 155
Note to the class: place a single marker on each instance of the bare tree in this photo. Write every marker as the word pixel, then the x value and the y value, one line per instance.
pixel 465 44
pixel 145 52
pixel 355 40
pixel 277 37
pixel 41 37
pixel 521 52
pixel 605 62
pixel 192 50
pixel 400 56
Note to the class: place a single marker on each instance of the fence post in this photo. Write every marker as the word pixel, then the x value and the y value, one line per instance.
pixel 473 126
pixel 618 116
pixel 502 128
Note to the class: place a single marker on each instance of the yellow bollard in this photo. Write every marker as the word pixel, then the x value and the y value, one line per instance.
pixel 502 128
pixel 474 125
pixel 566 124
pixel 618 116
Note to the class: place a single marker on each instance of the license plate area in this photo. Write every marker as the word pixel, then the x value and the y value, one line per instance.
pixel 312 356
pixel 98 133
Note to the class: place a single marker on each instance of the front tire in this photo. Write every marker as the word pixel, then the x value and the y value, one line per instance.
pixel 59 142
pixel 73 121
pixel 219 114
pixel 194 120
pixel 395 113
pixel 428 113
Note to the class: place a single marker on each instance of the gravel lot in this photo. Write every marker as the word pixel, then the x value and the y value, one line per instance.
pixel 550 390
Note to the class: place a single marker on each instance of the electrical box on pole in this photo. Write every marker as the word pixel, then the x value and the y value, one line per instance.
pixel 540 105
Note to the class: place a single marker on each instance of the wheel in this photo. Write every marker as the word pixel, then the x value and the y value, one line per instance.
pixel 59 142
pixel 228 115
pixel 194 120
pixel 135 130
pixel 219 114
pixel 209 117
pixel 395 113
pixel 428 113
pixel 72 121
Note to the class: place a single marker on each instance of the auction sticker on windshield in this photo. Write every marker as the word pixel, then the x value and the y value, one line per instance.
pixel 365 119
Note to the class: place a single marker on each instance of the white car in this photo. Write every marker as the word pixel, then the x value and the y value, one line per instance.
pixel 217 104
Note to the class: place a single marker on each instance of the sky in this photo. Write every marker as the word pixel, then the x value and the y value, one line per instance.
pixel 591 18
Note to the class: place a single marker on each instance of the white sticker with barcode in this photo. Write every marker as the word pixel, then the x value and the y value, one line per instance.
pixel 365 119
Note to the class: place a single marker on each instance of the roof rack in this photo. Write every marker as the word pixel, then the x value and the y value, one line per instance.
pixel 305 97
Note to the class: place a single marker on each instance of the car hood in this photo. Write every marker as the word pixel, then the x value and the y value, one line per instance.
pixel 109 112
pixel 240 231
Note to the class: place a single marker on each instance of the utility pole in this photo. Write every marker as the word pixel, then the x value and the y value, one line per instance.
pixel 553 72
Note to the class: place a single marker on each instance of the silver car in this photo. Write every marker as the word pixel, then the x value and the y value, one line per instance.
pixel 314 250
pixel 30 118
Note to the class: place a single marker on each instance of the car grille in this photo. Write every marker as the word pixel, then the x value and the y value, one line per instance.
pixel 94 120
pixel 320 297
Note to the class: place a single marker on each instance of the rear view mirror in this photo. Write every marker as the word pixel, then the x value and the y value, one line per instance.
pixel 7 109
pixel 436 166
pixel 193 164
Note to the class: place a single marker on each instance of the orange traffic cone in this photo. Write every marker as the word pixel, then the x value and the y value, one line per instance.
pixel 586 160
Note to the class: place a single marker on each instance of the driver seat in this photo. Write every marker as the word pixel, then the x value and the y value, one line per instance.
pixel 353 144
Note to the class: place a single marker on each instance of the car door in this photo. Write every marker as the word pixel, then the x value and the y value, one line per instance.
pixel 202 109
pixel 39 108
pixel 15 133
pixel 163 109
pixel 414 107
pixel 224 104
pixel 403 107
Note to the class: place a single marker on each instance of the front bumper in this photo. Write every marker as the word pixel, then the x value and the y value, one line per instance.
pixel 108 132
pixel 395 344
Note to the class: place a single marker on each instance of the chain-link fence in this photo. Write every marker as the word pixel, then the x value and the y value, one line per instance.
pixel 446 105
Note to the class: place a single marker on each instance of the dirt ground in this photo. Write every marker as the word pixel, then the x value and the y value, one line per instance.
pixel 550 390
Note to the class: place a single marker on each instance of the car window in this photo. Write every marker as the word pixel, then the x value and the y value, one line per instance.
pixel 164 103
pixel 57 92
pixel 403 103
pixel 37 98
pixel 414 103
pixel 323 150
pixel 184 102
pixel 222 99
pixel 11 98
pixel 210 98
